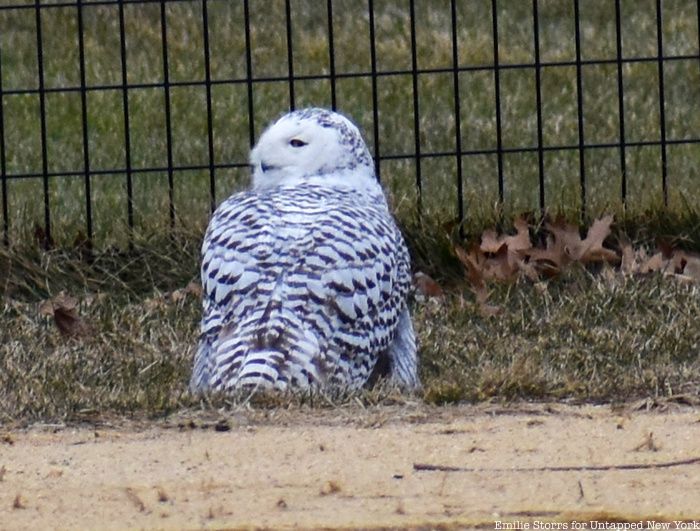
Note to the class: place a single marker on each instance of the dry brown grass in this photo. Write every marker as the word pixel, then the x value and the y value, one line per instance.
pixel 583 336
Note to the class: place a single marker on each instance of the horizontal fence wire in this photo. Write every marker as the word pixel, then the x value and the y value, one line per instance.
pixel 294 75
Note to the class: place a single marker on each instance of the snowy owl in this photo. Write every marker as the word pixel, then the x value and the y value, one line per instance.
pixel 305 275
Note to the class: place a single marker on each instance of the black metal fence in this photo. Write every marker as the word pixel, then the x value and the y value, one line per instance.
pixel 618 64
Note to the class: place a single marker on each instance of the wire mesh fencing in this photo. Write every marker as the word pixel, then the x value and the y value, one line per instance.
pixel 118 116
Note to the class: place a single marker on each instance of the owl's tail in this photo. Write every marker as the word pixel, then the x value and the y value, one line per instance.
pixel 274 352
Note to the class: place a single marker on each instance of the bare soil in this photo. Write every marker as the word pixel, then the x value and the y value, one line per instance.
pixel 352 467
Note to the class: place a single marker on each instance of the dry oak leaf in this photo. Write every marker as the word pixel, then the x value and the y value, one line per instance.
pixel 64 310
pixel 692 266
pixel 655 263
pixel 550 260
pixel 591 249
pixel 504 254
pixel 426 285
pixel 174 297
pixel 502 265
pixel 474 262
pixel 684 266
pixel 564 246
pixel 193 288
pixel 491 243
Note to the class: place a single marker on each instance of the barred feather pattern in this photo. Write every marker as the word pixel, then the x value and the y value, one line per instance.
pixel 305 276
pixel 303 286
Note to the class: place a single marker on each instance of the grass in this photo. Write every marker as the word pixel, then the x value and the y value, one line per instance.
pixel 582 337
pixel 586 336
pixel 105 113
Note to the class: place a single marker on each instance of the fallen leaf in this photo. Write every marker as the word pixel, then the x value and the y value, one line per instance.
pixel 551 260
pixel 490 242
pixel 474 262
pixel 566 240
pixel 64 310
pixel 470 260
pixel 426 285
pixel 654 264
pixel 692 266
pixel 665 247
pixel 677 261
pixel 502 265
pixel 591 249
pixel 193 288
pixel 521 240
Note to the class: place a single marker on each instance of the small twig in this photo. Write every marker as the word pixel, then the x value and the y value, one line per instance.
pixel 134 498
pixel 423 467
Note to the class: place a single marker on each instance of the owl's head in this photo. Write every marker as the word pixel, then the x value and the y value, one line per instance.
pixel 312 145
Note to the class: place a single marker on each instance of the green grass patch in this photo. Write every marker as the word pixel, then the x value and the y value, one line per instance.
pixel 231 137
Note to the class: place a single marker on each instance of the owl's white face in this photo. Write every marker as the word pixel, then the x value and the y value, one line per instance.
pixel 311 145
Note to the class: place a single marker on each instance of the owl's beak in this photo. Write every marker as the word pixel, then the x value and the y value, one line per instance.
pixel 265 167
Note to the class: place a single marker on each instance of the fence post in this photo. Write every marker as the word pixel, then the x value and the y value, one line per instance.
pixel 83 112
pixel 579 110
pixel 538 99
pixel 127 134
pixel 168 125
pixel 375 98
pixel 497 95
pixel 662 100
pixel 46 237
pixel 210 126
pixel 458 115
pixel 3 167
pixel 416 108
pixel 621 101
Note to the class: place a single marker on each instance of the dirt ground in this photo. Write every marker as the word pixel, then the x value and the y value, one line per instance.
pixel 354 467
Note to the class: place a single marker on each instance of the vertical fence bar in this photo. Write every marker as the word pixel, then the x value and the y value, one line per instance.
pixel 497 90
pixel 290 55
pixel 168 125
pixel 331 54
pixel 416 102
pixel 662 101
pixel 3 167
pixel 249 73
pixel 127 134
pixel 210 125
pixel 621 101
pixel 42 120
pixel 458 115
pixel 579 110
pixel 375 98
pixel 84 117
pixel 538 98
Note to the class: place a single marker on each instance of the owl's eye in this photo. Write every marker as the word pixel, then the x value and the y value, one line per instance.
pixel 295 142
